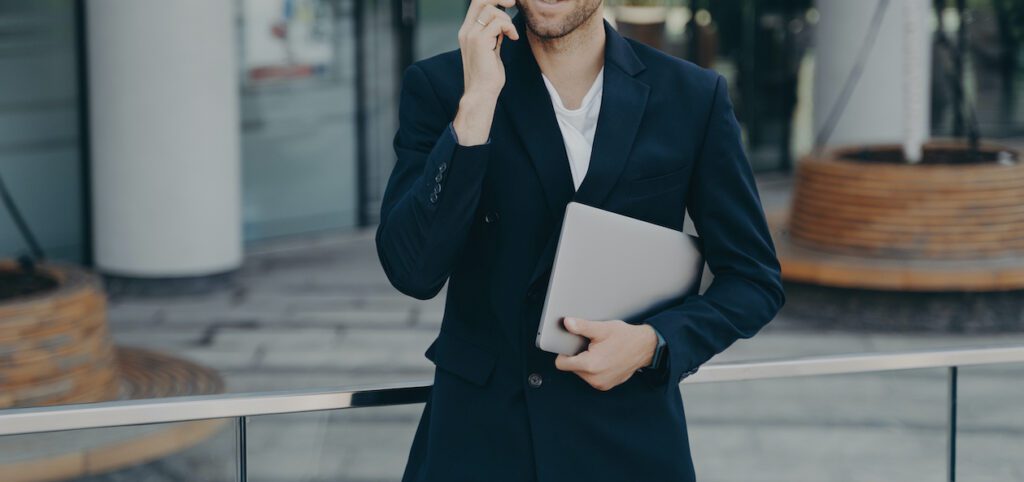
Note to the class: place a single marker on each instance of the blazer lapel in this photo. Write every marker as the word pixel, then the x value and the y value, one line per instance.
pixel 526 101
pixel 623 102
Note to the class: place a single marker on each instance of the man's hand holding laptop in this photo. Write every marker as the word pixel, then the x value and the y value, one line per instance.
pixel 616 351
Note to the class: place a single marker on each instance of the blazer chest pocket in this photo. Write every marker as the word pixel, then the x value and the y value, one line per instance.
pixel 651 186
pixel 462 358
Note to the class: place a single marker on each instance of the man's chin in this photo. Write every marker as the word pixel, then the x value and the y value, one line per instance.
pixel 546 28
pixel 547 32
pixel 549 21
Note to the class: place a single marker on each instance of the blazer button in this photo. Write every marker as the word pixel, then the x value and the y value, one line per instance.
pixel 441 168
pixel 491 217
pixel 439 177
pixel 535 380
pixel 433 198
pixel 437 189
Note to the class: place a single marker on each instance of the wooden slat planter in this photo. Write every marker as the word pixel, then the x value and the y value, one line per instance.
pixel 857 221
pixel 55 348
pixel 54 345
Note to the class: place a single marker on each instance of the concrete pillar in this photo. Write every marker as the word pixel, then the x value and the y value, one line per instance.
pixel 890 102
pixel 163 95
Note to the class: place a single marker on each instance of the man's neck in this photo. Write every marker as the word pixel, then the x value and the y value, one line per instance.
pixel 573 61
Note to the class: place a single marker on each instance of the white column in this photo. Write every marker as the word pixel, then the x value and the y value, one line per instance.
pixel 163 95
pixel 890 102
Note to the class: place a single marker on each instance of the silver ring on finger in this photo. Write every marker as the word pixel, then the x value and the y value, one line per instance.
pixel 480 22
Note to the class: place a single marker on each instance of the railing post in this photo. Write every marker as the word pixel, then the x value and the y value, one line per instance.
pixel 240 444
pixel 951 466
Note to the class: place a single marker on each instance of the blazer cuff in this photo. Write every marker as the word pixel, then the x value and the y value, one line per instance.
pixel 456 173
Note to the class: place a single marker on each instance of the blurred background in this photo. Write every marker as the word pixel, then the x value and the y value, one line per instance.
pixel 190 190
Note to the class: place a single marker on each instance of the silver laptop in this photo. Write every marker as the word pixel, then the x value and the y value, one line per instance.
pixel 613 267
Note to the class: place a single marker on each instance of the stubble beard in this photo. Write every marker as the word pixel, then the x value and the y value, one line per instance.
pixel 573 21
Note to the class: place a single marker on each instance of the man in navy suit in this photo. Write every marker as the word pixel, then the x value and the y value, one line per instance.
pixel 494 140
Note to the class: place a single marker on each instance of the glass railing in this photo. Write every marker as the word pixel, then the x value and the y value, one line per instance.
pixel 198 450
pixel 923 415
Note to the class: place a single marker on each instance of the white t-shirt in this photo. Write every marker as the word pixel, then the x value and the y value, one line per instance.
pixel 578 125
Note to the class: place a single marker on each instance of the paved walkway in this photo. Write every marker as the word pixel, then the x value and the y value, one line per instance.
pixel 318 312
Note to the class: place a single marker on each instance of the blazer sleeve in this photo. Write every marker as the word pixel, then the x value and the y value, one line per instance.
pixel 432 195
pixel 726 210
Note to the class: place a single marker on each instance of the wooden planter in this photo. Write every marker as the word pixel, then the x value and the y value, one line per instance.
pixel 55 349
pixel 862 218
pixel 54 345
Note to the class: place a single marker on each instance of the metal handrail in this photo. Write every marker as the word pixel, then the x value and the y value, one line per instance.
pixel 182 409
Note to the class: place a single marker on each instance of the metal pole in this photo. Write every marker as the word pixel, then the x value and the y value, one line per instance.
pixel 18 421
pixel 85 151
pixel 405 25
pixel 240 445
pixel 959 96
pixel 359 13
pixel 951 467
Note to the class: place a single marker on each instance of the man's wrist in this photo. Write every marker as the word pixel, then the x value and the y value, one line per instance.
pixel 473 120
pixel 657 352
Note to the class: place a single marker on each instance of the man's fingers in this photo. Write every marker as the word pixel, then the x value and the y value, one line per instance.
pixel 563 363
pixel 587 328
pixel 497 3
pixel 509 29
pixel 499 25
pixel 493 24
pixel 476 7
pixel 576 363
pixel 487 15
pixel 580 365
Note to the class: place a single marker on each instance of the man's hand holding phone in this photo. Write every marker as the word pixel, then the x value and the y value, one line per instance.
pixel 480 40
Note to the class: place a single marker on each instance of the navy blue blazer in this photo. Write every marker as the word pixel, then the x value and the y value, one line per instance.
pixel 485 219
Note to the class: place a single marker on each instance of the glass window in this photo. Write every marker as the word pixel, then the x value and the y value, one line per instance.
pixel 298 116
pixel 40 145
